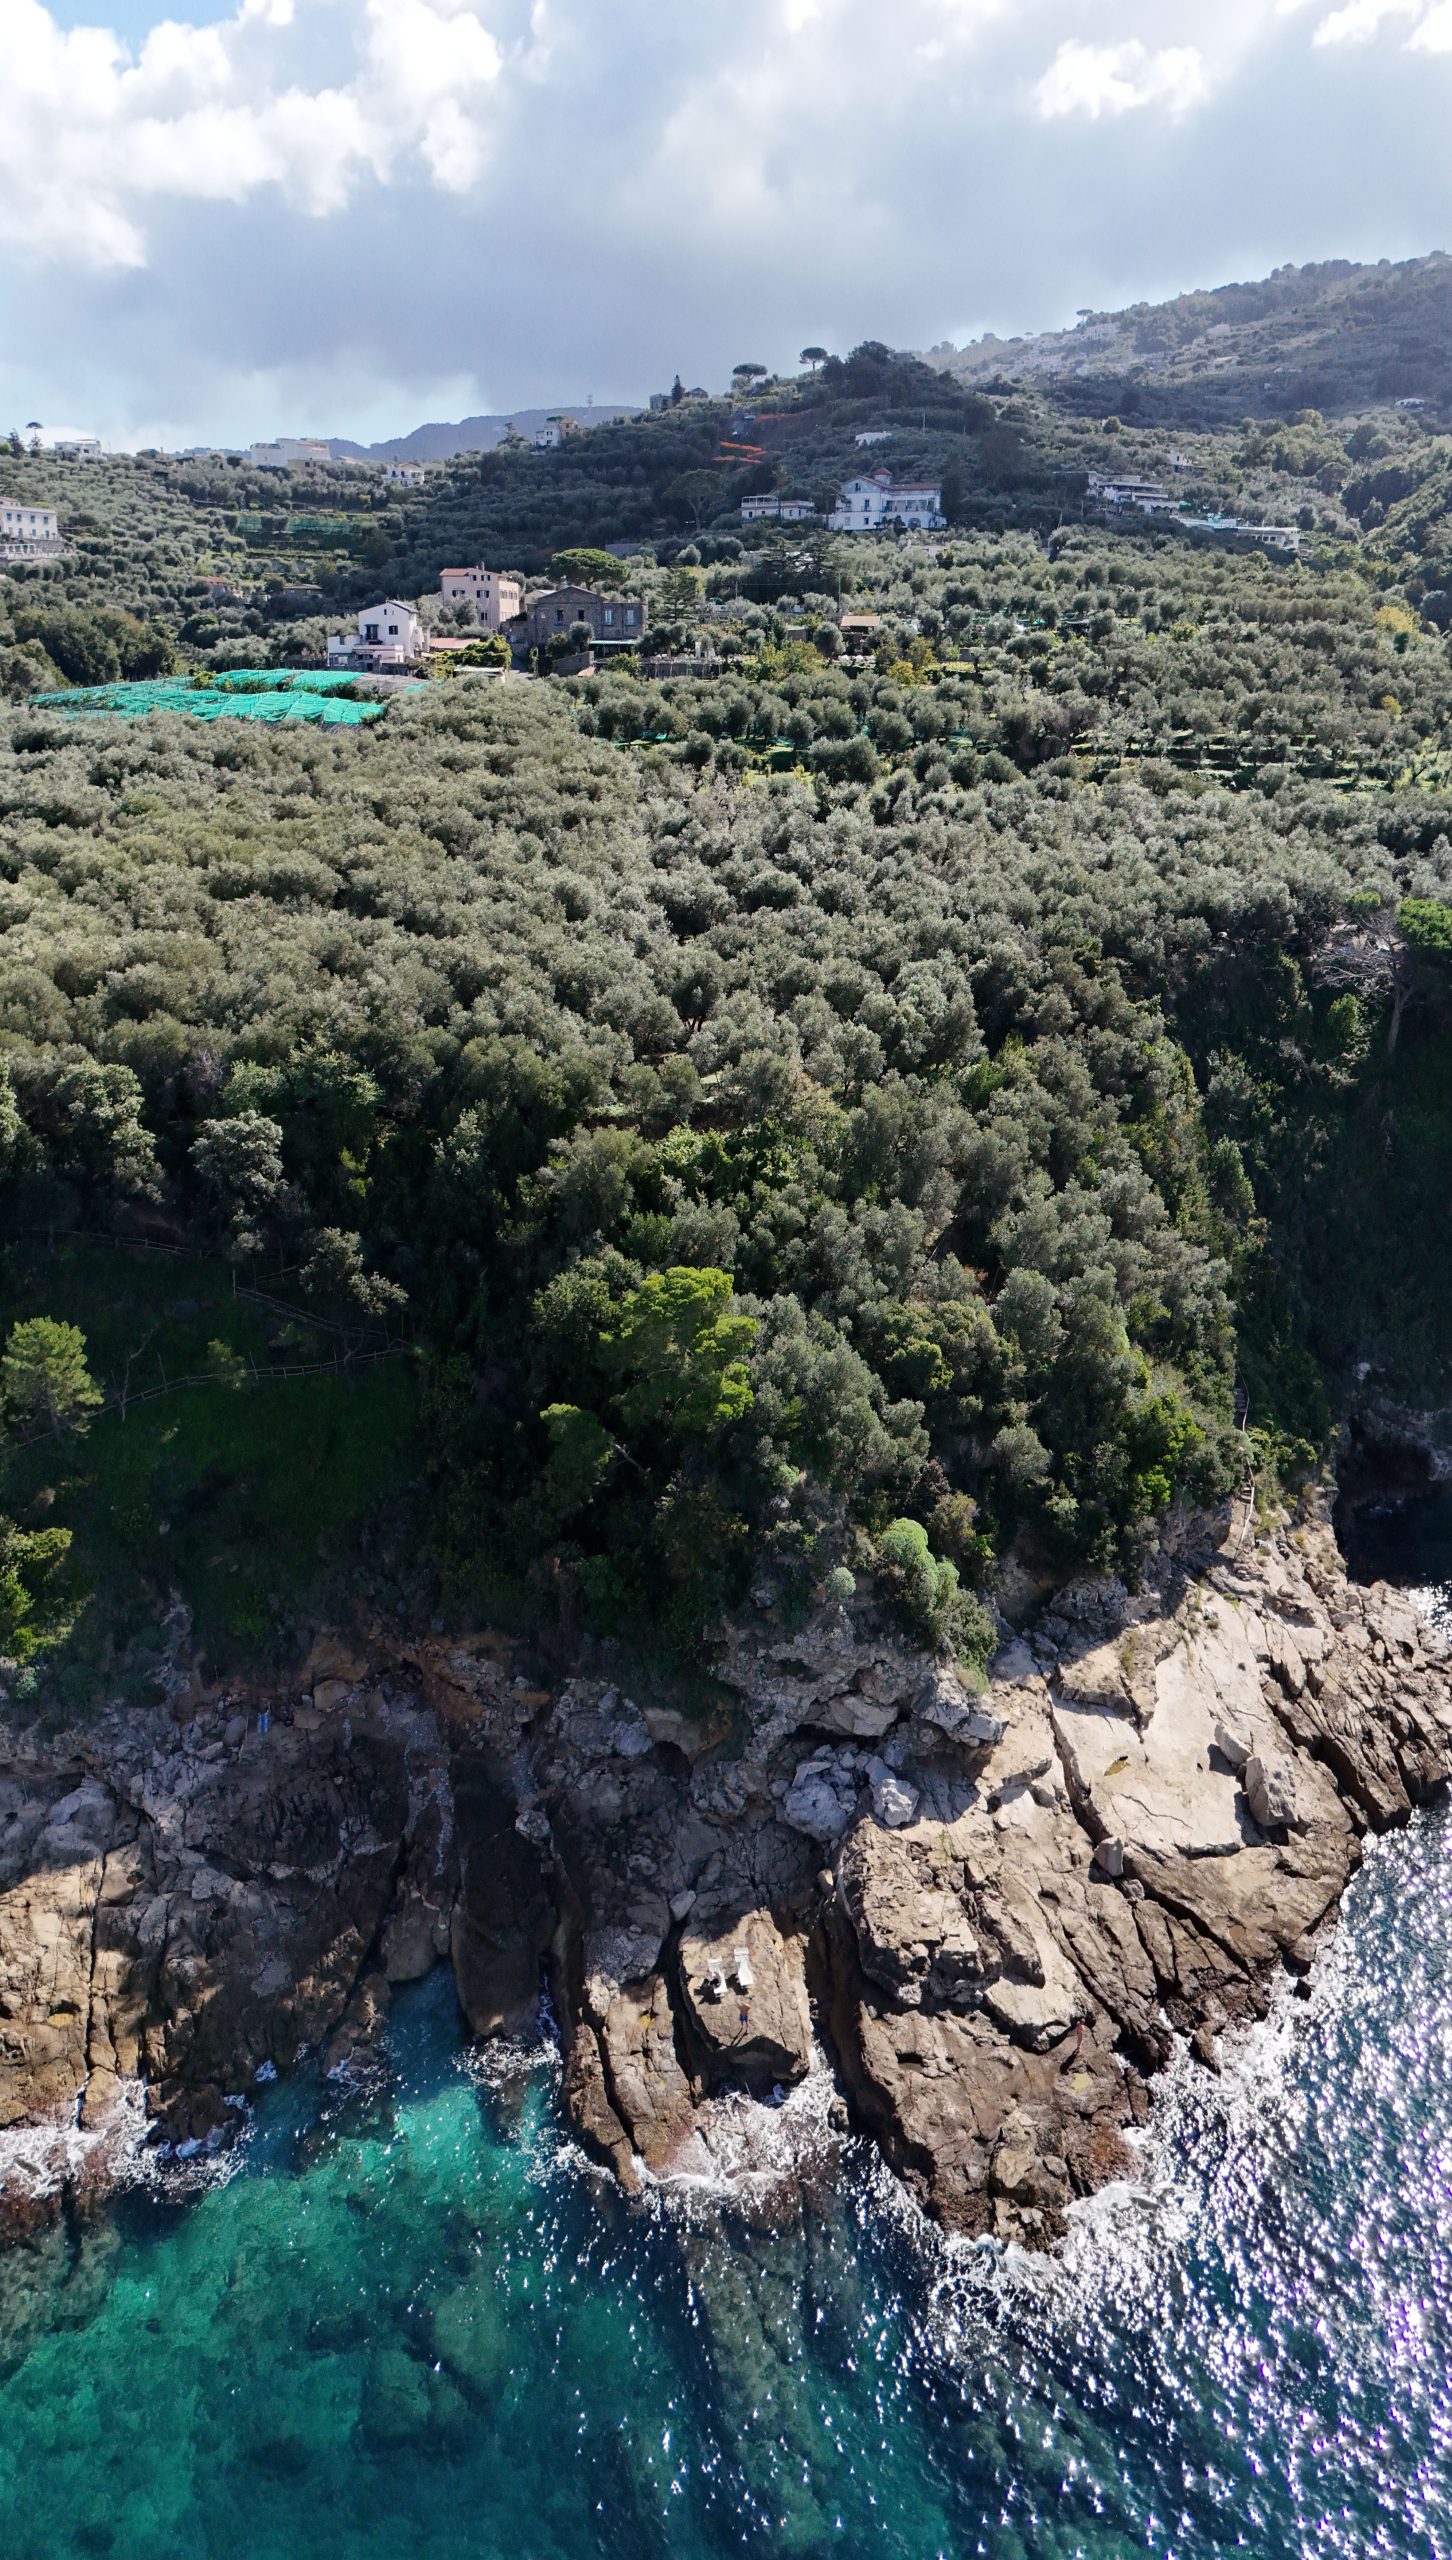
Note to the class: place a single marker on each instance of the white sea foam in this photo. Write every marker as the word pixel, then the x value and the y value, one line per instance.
pixel 747 2150
pixel 1200 2157
pixel 40 2160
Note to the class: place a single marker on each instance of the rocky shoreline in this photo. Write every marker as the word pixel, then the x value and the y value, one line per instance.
pixel 996 1911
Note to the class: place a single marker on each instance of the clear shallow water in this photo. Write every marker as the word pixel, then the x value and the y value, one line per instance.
pixel 415 2324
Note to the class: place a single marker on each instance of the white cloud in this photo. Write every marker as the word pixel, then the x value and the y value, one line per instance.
pixel 1111 79
pixel 1360 20
pixel 1425 26
pixel 91 139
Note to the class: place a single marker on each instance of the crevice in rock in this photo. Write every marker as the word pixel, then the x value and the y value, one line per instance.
pixel 87 2045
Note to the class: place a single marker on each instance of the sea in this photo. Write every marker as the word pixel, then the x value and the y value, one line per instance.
pixel 405 2319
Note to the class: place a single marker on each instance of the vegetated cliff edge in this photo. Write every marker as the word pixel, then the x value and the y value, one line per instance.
pixel 997 1911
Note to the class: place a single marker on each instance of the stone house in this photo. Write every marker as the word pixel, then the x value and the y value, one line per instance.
pixel 612 621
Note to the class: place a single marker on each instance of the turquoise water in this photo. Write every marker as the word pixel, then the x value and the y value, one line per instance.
pixel 411 2322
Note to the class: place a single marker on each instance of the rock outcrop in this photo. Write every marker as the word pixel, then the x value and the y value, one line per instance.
pixel 183 1911
pixel 996 1910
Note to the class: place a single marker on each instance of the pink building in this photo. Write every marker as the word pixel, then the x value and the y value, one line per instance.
pixel 495 597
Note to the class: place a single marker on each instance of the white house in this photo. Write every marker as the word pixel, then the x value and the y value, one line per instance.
pixel 882 504
pixel 769 507
pixel 554 432
pixel 404 475
pixel 68 444
pixel 1276 537
pixel 389 636
pixel 1147 497
pixel 28 533
pixel 288 453
pixel 874 435
pixel 496 598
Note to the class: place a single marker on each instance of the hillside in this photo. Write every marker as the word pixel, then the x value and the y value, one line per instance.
pixel 901 1121
pixel 834 1123
pixel 440 441
pixel 1335 337
pixel 222 564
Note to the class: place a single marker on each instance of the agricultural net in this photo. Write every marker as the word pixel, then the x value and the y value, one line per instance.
pixel 246 694
pixel 281 680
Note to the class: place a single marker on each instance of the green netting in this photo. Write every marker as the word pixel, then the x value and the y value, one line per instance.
pixel 280 680
pixel 243 693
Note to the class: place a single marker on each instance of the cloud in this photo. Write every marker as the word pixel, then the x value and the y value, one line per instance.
pixel 92 137
pixel 1363 19
pixel 1111 79
pixel 337 215
pixel 1426 25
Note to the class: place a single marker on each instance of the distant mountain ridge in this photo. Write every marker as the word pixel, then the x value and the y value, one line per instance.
pixel 1335 336
pixel 439 442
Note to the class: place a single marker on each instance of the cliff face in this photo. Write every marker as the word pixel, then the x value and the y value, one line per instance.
pixel 185 1903
pixel 996 1911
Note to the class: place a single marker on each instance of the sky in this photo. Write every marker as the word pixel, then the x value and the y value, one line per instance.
pixel 237 218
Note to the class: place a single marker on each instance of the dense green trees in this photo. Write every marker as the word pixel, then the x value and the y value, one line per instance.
pixel 844 1118
pixel 95 646
pixel 33 1614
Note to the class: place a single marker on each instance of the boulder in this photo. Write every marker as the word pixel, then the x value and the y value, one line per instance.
pixel 964 1715
pixel 189 1917
pixel 914 1931
pixel 894 1802
pixel 647 2085
pixel 745 1994
pixel 1270 1787
pixel 1232 1744
pixel 1136 1736
pixel 822 1797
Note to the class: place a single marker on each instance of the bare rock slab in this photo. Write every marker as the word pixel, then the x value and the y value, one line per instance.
pixel 745 1995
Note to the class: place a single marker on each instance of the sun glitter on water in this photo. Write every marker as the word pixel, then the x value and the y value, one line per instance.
pixel 412 2318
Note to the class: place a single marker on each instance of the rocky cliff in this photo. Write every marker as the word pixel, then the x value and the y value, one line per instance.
pixel 997 1911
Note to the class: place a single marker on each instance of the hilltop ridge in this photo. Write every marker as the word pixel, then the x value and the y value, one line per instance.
pixel 1334 336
